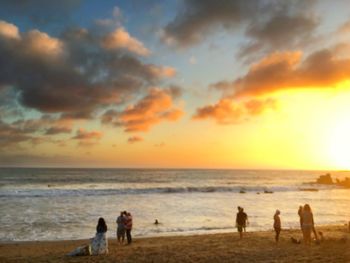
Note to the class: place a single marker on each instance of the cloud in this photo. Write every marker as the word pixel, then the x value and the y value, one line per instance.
pixel 33 131
pixel 226 111
pixel 57 130
pixel 12 136
pixel 71 74
pixel 197 18
pixel 155 107
pixel 42 44
pixel 163 72
pixel 121 39
pixel 8 30
pixel 278 71
pixel 280 32
pixel 87 138
pixel 135 139
pixel 287 70
pixel 82 134
pixel 284 24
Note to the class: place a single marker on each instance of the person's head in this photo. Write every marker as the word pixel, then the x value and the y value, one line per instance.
pixel 238 208
pixel 241 209
pixel 124 213
pixel 278 212
pixel 121 213
pixel 307 208
pixel 101 222
pixel 128 214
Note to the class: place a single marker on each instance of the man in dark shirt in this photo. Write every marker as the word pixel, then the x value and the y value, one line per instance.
pixel 241 220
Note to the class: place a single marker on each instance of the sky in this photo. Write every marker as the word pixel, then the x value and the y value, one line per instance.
pixel 175 84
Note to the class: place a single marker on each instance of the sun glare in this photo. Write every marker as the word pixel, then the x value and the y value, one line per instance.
pixel 339 144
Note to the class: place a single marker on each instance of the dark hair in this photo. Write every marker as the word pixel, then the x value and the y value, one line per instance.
pixel 101 226
pixel 307 208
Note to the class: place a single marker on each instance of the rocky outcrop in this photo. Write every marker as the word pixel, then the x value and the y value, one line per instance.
pixel 327 179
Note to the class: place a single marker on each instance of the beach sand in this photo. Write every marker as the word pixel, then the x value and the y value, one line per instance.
pixel 255 247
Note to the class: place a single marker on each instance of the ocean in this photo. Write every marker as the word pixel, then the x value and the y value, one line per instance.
pixel 60 204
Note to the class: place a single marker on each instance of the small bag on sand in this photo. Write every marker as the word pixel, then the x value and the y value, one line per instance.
pixel 81 251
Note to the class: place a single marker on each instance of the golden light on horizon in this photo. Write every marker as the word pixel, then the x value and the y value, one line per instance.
pixel 339 144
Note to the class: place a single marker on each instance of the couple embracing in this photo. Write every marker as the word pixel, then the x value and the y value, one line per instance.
pixel 124 226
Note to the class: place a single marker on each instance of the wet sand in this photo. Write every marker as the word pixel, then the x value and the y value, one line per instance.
pixel 255 247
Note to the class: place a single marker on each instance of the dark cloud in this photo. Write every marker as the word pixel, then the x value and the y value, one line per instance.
pixel 281 31
pixel 57 130
pixel 12 136
pixel 34 131
pixel 73 74
pixel 268 24
pixel 197 18
pixel 155 107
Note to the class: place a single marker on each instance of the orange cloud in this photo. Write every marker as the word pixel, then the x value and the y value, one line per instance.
pixel 120 39
pixel 82 134
pixel 41 43
pixel 257 107
pixel 87 138
pixel 285 70
pixel 228 112
pixel 162 72
pixel 8 30
pixel 278 71
pixel 154 108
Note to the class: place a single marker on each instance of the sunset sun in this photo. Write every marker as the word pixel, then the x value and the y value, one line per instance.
pixel 339 144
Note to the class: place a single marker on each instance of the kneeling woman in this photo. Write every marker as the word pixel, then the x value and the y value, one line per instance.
pixel 99 244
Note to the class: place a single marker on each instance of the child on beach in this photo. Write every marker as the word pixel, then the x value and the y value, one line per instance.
pixel 277 224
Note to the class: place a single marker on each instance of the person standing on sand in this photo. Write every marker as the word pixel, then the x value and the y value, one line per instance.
pixel 241 220
pixel 128 227
pixel 307 224
pixel 300 213
pixel 277 224
pixel 121 228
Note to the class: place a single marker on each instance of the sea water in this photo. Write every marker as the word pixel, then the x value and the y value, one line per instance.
pixel 54 204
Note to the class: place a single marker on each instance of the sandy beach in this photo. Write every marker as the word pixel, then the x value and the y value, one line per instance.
pixel 255 247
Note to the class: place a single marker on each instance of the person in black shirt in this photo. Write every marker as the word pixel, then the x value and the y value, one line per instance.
pixel 241 220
